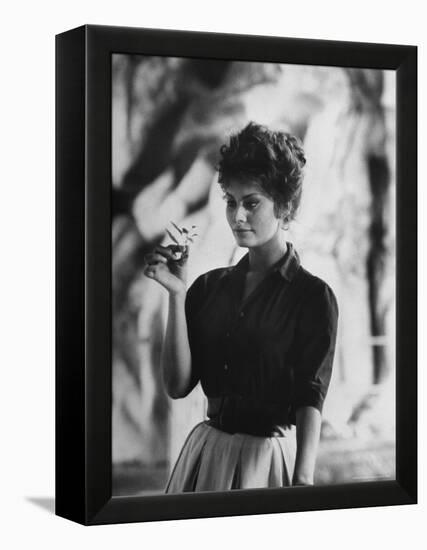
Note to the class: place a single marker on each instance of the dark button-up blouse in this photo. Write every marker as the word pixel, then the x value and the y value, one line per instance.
pixel 261 358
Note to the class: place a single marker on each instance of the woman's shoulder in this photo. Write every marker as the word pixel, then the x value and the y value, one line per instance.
pixel 311 280
pixel 209 278
pixel 314 286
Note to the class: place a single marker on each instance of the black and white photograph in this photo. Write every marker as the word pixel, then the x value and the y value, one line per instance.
pixel 253 235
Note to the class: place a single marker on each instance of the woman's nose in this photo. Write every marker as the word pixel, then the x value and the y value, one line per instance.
pixel 240 214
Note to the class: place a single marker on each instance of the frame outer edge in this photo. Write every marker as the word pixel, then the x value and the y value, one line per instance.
pixel 406 279
pixel 70 441
pixel 251 502
pixel 99 507
pixel 98 277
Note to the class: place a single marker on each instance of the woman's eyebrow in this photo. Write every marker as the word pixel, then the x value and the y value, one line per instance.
pixel 245 196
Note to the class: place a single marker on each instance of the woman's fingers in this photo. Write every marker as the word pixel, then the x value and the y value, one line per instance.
pixel 160 254
pixel 167 266
pixel 165 255
pixel 153 270
pixel 155 258
pixel 150 270
pixel 161 274
pixel 164 251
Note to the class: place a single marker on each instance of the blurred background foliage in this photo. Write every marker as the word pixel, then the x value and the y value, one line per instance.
pixel 170 116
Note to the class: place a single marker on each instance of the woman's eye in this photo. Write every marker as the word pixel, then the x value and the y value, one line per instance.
pixel 247 205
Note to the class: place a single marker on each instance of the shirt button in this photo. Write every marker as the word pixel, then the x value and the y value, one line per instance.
pixel 225 367
pixel 242 314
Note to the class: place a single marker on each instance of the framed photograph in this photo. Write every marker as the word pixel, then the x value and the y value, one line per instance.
pixel 236 253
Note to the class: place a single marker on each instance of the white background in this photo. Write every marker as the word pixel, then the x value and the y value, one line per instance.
pixel 27 271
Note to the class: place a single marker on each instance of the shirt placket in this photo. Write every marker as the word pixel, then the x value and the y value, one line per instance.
pixel 236 318
pixel 240 310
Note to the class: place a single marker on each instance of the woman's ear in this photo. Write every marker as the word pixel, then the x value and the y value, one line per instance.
pixel 284 221
pixel 282 214
pixel 284 224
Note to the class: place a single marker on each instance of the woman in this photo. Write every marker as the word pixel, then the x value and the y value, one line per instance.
pixel 259 336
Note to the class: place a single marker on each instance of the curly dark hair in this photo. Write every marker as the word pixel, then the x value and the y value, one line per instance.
pixel 275 160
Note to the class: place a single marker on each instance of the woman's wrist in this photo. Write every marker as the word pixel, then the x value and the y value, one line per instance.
pixel 178 294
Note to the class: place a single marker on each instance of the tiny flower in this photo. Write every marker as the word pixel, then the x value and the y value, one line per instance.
pixel 181 240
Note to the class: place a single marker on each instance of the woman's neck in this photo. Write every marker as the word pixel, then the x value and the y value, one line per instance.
pixel 262 258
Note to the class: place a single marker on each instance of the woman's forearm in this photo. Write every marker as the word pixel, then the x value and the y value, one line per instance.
pixel 308 434
pixel 176 355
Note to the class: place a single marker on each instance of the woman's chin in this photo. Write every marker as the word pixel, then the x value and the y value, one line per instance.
pixel 243 240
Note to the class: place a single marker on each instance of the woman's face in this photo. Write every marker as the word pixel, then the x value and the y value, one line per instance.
pixel 250 214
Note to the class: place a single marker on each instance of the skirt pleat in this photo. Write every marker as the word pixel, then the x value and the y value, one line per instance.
pixel 213 460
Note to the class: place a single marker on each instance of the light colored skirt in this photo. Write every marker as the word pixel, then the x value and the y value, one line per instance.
pixel 213 460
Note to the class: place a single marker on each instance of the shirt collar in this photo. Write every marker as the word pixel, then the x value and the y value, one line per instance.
pixel 287 266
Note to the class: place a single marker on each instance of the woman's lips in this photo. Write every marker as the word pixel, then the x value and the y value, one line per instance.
pixel 243 230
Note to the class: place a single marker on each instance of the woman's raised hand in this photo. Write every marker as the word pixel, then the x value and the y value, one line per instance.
pixel 168 266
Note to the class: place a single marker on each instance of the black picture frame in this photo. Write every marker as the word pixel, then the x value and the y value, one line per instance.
pixel 83 274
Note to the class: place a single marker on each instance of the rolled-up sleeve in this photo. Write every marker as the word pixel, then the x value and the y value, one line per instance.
pixel 194 297
pixel 193 301
pixel 316 337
